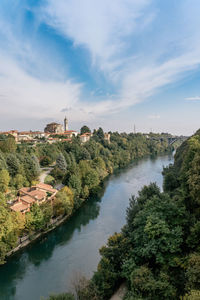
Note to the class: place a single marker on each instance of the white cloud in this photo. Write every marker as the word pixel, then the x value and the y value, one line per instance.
pixel 108 30
pixel 196 98
pixel 22 95
pixel 100 26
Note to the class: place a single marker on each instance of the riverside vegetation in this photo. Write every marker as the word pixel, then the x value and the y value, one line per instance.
pixel 80 167
pixel 157 252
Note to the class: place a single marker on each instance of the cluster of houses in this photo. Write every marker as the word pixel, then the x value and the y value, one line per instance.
pixel 53 132
pixel 27 196
pixel 38 136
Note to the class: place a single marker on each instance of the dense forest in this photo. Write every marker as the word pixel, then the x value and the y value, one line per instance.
pixel 157 252
pixel 81 168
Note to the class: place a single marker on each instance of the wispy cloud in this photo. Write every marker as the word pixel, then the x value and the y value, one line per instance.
pixel 108 31
pixel 101 26
pixel 125 46
pixel 196 98
pixel 25 94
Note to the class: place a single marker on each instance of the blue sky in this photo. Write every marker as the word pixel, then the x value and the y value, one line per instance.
pixel 108 63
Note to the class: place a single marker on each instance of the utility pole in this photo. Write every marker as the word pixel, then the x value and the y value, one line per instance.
pixel 134 129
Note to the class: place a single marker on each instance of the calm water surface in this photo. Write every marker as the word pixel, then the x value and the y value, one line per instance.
pixel 50 264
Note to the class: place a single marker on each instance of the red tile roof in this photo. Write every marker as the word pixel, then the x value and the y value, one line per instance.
pixel 19 207
pixel 46 187
pixel 39 195
pixel 27 199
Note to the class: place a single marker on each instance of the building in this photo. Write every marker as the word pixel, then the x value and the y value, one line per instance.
pixel 54 128
pixel 85 137
pixel 29 195
pixel 70 133
pixel 107 137
pixel 14 133
pixel 66 124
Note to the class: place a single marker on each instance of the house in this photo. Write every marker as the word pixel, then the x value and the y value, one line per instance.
pixel 85 137
pixel 107 137
pixel 70 133
pixel 14 133
pixel 54 128
pixel 39 194
pixel 18 206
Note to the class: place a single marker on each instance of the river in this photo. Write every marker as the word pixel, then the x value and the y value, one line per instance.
pixel 50 265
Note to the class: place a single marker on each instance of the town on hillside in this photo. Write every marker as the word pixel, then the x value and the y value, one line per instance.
pixel 53 132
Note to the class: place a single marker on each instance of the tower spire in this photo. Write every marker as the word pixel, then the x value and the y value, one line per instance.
pixel 65 124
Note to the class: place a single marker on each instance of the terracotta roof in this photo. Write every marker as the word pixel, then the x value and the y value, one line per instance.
pixel 24 190
pixel 19 206
pixel 85 134
pixel 37 194
pixel 47 187
pixel 27 199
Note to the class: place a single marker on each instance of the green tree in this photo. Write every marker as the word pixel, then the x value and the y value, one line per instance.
pixel 13 164
pixel 100 133
pixel 64 201
pixel 193 272
pixel 91 179
pixel 36 220
pixel 3 164
pixel 8 145
pixel 19 181
pixel 75 183
pixel 31 167
pixel 4 180
pixel 85 129
pixel 11 225
pixel 49 180
pixel 145 285
pixel 61 162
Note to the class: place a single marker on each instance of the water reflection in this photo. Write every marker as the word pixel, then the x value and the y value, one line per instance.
pixel 43 249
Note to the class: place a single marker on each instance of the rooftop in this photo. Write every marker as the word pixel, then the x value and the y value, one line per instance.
pixel 39 195
pixel 46 187
pixel 27 199
pixel 19 206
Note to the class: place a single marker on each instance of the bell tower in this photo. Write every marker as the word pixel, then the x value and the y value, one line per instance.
pixel 65 124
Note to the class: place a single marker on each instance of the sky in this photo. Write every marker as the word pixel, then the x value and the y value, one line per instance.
pixel 101 63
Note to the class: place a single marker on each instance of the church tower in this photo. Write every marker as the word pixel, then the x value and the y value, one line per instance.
pixel 65 124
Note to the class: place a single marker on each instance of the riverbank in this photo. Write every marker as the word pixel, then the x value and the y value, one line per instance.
pixel 26 241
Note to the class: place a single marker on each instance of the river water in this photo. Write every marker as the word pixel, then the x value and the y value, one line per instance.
pixel 51 264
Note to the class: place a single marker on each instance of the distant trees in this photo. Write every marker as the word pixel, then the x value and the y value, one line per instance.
pixel 85 129
pixel 8 145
